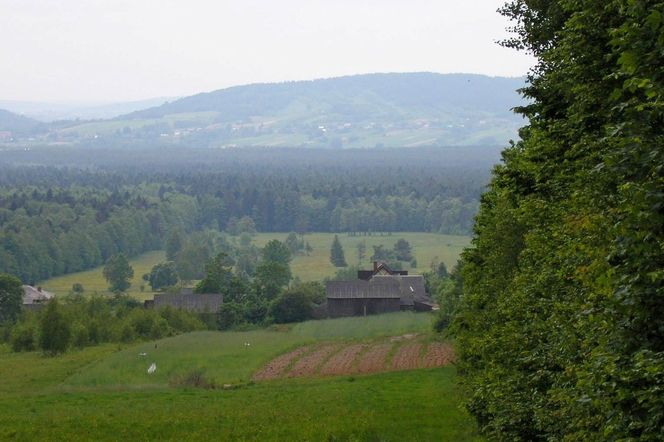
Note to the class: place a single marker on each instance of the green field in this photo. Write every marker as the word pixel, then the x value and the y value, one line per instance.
pixel 426 248
pixel 105 393
pixel 93 280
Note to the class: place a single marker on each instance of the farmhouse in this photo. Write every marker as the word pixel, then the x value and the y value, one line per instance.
pixel 34 297
pixel 380 290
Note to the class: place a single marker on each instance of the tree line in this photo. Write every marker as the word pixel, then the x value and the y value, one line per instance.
pixel 56 220
pixel 559 317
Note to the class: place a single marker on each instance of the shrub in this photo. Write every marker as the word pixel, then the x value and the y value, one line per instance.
pixel 291 306
pixel 230 315
pixel 55 331
pixel 24 336
pixel 80 335
pixel 194 379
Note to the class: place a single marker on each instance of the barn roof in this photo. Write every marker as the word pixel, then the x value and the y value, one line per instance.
pixel 35 295
pixel 363 289
pixel 411 288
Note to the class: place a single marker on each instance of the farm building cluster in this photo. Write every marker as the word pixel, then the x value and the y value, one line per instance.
pixel 381 290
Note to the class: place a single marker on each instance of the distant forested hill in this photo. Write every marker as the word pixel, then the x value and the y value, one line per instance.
pixel 371 96
pixel 19 125
pixel 372 110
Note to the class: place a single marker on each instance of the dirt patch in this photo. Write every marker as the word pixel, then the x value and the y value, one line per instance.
pixel 308 365
pixel 276 367
pixel 407 357
pixel 438 354
pixel 343 362
pixel 373 360
pixel 339 359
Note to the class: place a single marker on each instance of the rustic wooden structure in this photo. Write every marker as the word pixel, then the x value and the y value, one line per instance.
pixel 380 290
pixel 361 298
pixel 379 268
pixel 35 298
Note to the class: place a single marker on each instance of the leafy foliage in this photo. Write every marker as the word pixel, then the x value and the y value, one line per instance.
pixel 163 275
pixel 11 297
pixel 560 331
pixel 118 272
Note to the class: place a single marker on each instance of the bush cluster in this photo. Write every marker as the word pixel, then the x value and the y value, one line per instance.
pixel 78 322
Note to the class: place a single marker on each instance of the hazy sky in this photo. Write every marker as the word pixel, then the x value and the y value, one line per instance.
pixel 114 50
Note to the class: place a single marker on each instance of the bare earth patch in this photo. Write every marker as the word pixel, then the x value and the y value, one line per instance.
pixel 407 357
pixel 276 367
pixel 373 360
pixel 340 359
pixel 308 365
pixel 343 361
pixel 438 354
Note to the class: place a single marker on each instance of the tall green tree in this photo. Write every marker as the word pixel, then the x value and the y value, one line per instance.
pixel 403 250
pixel 55 330
pixel 218 275
pixel 560 332
pixel 276 251
pixel 337 257
pixel 174 243
pixel 11 297
pixel 163 275
pixel 118 272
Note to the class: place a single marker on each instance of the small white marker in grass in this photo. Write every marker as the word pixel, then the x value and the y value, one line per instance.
pixel 152 368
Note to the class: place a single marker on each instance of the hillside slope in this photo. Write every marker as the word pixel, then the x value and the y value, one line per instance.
pixel 373 110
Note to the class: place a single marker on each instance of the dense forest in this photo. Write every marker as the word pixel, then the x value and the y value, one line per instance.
pixel 90 204
pixel 560 330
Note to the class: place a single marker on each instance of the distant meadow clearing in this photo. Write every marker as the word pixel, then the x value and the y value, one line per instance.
pixel 427 247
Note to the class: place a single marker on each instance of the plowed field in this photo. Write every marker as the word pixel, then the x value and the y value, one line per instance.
pixel 353 358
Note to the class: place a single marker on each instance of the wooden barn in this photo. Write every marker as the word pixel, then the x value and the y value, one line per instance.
pixel 361 298
pixel 380 290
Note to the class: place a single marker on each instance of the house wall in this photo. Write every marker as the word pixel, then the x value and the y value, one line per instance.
pixel 195 303
pixel 337 307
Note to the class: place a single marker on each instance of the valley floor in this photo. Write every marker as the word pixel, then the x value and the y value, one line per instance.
pixel 105 392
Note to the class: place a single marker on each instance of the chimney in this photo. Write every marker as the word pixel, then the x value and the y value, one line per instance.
pixel 375 265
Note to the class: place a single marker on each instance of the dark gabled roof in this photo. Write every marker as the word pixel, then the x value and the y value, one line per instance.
pixel 378 267
pixel 363 289
pixel 411 288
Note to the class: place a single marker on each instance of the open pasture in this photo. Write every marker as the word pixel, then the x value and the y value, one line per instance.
pixel 233 357
pixel 105 393
pixel 427 247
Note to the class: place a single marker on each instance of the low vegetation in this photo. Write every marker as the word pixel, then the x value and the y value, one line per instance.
pixel 202 389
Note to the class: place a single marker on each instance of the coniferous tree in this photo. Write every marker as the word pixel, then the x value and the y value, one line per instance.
pixel 337 257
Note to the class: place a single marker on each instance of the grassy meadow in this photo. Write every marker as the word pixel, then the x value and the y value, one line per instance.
pixel 105 393
pixel 93 280
pixel 427 247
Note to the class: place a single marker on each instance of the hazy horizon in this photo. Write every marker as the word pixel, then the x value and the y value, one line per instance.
pixel 105 51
